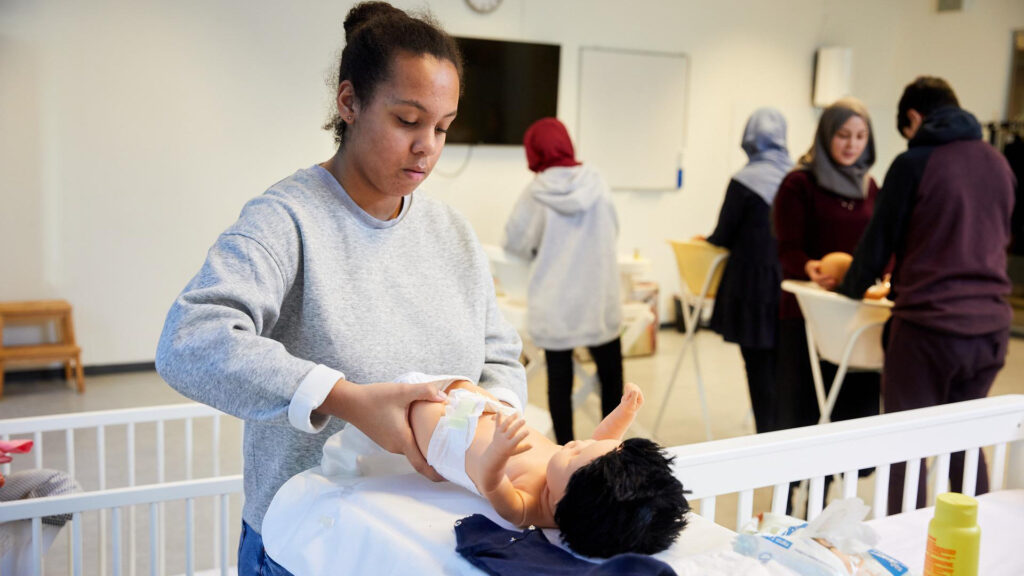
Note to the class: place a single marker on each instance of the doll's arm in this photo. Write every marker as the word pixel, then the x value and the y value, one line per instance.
pixel 508 440
pixel 614 425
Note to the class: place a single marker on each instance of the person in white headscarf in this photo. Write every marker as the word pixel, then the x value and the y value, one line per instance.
pixel 747 303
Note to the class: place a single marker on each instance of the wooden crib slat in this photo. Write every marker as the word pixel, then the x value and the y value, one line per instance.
pixel 101 455
pixel 744 508
pixel 161 472
pixel 941 466
pixel 971 471
pixel 37 546
pixel 5 469
pixel 115 529
pixel 190 563
pixel 153 561
pixel 129 441
pixel 215 452
pixel 76 544
pixel 101 463
pixel 910 481
pixel 998 468
pixel 881 499
pixel 815 497
pixel 224 508
pixel 707 508
pixel 850 484
pixel 129 432
pixel 69 450
pixel 188 448
pixel 37 448
pixel 780 497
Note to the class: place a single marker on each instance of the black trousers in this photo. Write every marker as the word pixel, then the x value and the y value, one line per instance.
pixel 760 365
pixel 927 368
pixel 608 358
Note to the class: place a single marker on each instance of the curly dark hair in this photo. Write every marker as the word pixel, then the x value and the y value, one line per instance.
pixel 374 33
pixel 627 500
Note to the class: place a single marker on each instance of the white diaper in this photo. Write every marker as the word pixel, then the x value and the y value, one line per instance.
pixel 454 433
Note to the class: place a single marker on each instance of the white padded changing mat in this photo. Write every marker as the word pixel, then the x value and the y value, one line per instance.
pixel 400 524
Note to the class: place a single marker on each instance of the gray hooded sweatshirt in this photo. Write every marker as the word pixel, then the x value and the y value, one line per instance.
pixel 565 222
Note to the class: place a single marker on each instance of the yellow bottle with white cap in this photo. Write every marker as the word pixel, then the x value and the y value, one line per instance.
pixel 953 537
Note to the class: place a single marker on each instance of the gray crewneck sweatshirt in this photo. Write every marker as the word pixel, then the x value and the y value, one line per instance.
pixel 306 279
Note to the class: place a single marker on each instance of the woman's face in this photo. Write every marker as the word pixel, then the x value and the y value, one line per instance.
pixel 849 142
pixel 394 140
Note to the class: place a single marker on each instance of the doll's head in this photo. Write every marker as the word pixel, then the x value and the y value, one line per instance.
pixel 623 499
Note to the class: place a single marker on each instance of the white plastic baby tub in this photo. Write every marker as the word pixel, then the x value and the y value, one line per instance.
pixel 835 319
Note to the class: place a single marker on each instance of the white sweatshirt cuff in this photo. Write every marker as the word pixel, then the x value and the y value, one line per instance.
pixel 507 396
pixel 312 392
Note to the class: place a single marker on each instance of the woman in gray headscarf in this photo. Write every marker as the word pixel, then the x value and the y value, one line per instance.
pixel 823 206
pixel 747 302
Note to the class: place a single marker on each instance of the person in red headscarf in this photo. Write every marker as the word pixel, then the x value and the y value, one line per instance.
pixel 565 222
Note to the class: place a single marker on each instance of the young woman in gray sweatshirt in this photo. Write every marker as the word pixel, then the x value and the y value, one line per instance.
pixel 342 275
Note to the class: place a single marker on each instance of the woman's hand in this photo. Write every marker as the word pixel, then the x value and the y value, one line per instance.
pixel 813 270
pixel 381 411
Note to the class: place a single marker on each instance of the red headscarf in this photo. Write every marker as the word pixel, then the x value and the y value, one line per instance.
pixel 547 144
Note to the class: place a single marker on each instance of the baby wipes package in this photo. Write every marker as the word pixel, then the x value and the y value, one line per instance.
pixel 836 543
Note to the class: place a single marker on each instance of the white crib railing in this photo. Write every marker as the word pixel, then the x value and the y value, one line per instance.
pixel 146 449
pixel 114 501
pixel 741 465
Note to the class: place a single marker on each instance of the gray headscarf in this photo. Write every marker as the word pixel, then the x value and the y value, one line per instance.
pixel 764 141
pixel 847 181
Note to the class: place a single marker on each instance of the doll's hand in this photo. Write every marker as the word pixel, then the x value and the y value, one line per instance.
pixel 507 441
pixel 813 270
pixel 509 434
pixel 632 397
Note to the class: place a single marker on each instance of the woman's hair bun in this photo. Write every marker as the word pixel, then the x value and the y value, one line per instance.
pixel 365 12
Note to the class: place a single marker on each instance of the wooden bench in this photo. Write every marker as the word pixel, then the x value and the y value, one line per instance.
pixel 65 350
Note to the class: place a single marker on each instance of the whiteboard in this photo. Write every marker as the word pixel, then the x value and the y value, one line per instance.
pixel 632 116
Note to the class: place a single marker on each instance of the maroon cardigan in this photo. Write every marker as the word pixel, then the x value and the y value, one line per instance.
pixel 810 222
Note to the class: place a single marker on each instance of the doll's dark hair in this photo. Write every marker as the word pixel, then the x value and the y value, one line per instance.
pixel 925 94
pixel 627 500
pixel 375 32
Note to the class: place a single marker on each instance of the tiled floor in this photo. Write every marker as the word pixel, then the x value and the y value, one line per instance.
pixel 723 375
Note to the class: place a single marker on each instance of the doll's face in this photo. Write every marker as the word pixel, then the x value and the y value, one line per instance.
pixel 849 141
pixel 572 457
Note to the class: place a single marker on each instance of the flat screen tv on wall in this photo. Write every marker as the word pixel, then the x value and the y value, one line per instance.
pixel 508 86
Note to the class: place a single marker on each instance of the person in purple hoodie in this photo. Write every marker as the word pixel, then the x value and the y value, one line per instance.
pixel 944 212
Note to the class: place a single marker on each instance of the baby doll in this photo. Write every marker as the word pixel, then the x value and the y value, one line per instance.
pixel 607 496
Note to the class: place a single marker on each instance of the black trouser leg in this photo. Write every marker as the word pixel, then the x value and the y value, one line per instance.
pixel 608 359
pixel 760 364
pixel 560 379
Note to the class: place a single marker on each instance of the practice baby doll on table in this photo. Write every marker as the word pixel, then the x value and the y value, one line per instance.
pixel 606 496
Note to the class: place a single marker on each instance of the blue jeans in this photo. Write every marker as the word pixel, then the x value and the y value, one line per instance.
pixel 252 557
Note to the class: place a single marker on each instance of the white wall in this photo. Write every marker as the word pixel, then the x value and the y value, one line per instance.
pixel 132 132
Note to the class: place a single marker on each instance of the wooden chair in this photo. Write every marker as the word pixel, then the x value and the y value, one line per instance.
pixel 65 350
